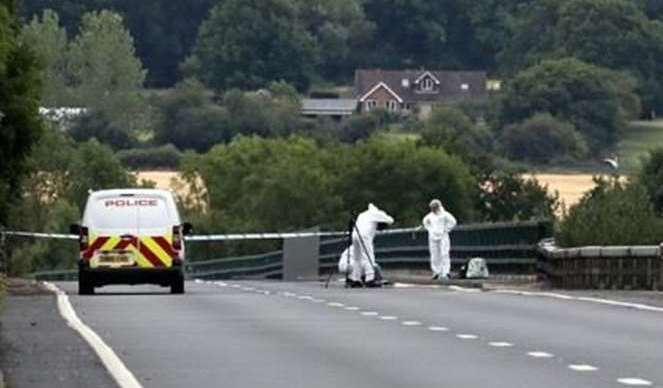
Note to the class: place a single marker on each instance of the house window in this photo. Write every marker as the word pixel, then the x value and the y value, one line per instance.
pixel 465 87
pixel 427 85
pixel 405 83
pixel 370 105
pixel 392 105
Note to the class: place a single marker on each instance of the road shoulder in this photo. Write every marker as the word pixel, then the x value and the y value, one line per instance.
pixel 38 349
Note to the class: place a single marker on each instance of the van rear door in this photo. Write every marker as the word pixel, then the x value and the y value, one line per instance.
pixel 130 231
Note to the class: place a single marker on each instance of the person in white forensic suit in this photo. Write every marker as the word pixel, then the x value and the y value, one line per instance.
pixel 363 253
pixel 439 223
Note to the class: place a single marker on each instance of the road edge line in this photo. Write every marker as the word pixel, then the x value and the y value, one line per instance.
pixel 609 302
pixel 113 364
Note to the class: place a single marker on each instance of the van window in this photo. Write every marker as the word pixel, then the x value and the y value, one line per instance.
pixel 129 212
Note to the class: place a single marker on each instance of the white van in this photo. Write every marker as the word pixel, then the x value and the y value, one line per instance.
pixel 131 236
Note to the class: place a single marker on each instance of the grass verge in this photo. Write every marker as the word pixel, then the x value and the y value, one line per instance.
pixel 639 139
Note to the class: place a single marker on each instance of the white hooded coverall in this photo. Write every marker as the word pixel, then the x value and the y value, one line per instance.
pixel 439 224
pixel 363 254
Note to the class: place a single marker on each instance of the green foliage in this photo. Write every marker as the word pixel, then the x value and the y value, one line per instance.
pixel 615 34
pixel 49 41
pixel 53 195
pixel 189 119
pixel 454 131
pixel 382 166
pixel 613 213
pixel 162 157
pixel 510 197
pixel 543 139
pixel 248 43
pixel 651 178
pixel 97 125
pixel 572 91
pixel 20 125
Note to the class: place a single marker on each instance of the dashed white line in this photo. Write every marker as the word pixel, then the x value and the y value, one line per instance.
pixel 540 355
pixel 499 344
pixel 198 281
pixel 411 323
pixel 583 368
pixel 305 297
pixel 634 381
pixel 352 308
pixel 221 284
pixel 467 336
pixel 335 304
pixel 248 288
pixel 318 300
pixel 437 328
pixel 616 303
pixel 369 313
pixel 388 317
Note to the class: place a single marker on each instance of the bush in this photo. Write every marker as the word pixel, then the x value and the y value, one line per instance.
pixel 163 157
pixel 613 213
pixel 509 197
pixel 97 125
pixel 542 139
pixel 651 178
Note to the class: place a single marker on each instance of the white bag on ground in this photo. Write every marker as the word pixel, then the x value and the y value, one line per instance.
pixel 476 268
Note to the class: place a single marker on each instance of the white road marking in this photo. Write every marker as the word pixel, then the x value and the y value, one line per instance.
pixel 248 288
pixel 198 281
pixel 289 294
pixel 437 328
pixel 637 306
pixel 335 304
pixel 500 344
pixel 540 355
pixel 583 368
pixel 467 336
pixel 409 285
pixel 465 289
pixel 388 318
pixel 121 374
pixel 305 297
pixel 236 286
pixel 221 284
pixel 634 381
pixel 352 308
pixel 411 323
pixel 369 313
pixel 318 300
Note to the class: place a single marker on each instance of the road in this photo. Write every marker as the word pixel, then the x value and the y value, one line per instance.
pixel 258 334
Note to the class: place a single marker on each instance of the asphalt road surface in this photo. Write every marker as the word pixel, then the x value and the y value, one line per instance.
pixel 272 334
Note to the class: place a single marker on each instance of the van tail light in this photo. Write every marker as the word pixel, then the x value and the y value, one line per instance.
pixel 84 238
pixel 177 238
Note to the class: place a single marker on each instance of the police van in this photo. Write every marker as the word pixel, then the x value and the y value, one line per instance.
pixel 131 236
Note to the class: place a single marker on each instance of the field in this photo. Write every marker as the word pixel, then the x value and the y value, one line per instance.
pixel 641 137
pixel 571 187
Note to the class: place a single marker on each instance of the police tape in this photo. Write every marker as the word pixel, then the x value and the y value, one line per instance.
pixel 220 237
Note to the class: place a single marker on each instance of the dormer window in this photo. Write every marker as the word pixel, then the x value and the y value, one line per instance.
pixel 427 85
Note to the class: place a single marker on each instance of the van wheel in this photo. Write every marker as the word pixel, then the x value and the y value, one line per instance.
pixel 177 284
pixel 85 286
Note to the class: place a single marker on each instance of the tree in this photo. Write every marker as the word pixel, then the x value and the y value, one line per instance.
pixel 570 90
pixel 507 196
pixel 615 34
pixel 543 139
pixel 189 119
pixel 401 177
pixel 20 126
pixel 342 32
pixel 613 213
pixel 650 177
pixel 454 131
pixel 106 74
pixel 248 43
pixel 164 31
pixel 50 42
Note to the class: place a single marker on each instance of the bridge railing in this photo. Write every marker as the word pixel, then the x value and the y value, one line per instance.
pixel 507 247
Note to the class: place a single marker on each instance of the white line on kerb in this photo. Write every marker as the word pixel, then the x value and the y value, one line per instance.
pixel 583 368
pixel 634 381
pixel 637 306
pixel 540 355
pixel 115 366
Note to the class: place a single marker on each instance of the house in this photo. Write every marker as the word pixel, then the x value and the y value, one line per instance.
pixel 416 91
pixel 336 108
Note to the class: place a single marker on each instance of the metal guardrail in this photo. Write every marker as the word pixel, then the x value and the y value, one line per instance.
pixel 507 247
